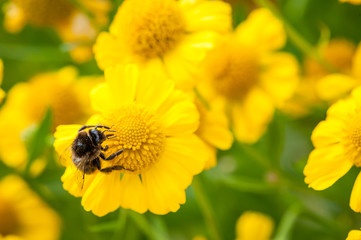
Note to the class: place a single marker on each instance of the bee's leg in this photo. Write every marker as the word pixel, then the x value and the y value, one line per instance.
pixel 111 156
pixel 112 168
pixel 97 163
pixel 104 149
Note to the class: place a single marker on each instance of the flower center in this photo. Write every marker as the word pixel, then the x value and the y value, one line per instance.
pixel 9 222
pixel 152 27
pixel 139 133
pixel 236 73
pixel 45 12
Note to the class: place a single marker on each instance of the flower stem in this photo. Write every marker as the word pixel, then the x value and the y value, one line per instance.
pixel 143 224
pixel 295 37
pixel 287 222
pixel 122 219
pixel 206 208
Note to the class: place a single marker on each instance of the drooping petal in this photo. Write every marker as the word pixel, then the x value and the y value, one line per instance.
pixel 325 166
pixel 75 182
pixel 251 116
pixel 280 77
pixel 182 158
pixel 132 193
pixel 103 195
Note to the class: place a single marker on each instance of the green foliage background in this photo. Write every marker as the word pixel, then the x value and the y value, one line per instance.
pixel 265 177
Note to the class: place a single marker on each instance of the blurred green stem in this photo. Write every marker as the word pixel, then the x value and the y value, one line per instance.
pixel 295 37
pixel 287 222
pixel 206 208
pixel 143 224
pixel 122 219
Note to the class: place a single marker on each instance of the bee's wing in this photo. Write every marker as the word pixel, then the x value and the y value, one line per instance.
pixel 66 157
pixel 76 180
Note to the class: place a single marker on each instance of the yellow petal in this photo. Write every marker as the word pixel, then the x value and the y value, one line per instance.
pixel 251 116
pixel 214 129
pixel 207 15
pixel 354 235
pixel 343 110
pixel 356 62
pixel 355 200
pixel 103 195
pixel 122 77
pixel 325 166
pixel 64 137
pixel 255 226
pixel 132 193
pixel 153 79
pixel 73 181
pixel 178 114
pixel 183 62
pixel 328 132
pixel 271 37
pixel 108 51
pixel 102 99
pixel 335 86
pixel 280 78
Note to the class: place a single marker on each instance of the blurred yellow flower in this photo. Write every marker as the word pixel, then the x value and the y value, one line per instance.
pixel 23 215
pixel 213 129
pixel 337 142
pixel 254 226
pixel 2 93
pixel 155 124
pixel 245 71
pixel 345 59
pixel 71 23
pixel 63 92
pixel 177 32
pixel 314 88
pixel 351 1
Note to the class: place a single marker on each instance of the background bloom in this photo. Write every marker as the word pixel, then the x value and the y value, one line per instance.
pixel 246 72
pixel 177 32
pixel 23 215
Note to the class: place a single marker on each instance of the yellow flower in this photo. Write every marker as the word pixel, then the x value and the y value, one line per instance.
pixel 213 129
pixel 72 24
pixel 245 71
pixel 178 32
pixel 352 1
pixel 344 58
pixel 23 215
pixel 254 226
pixel 337 142
pixel 2 93
pixel 155 124
pixel 315 87
pixel 26 104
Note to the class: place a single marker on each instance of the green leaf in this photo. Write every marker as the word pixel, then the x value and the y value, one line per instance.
pixel 39 140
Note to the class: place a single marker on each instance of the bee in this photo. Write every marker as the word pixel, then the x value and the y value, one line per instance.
pixel 86 150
